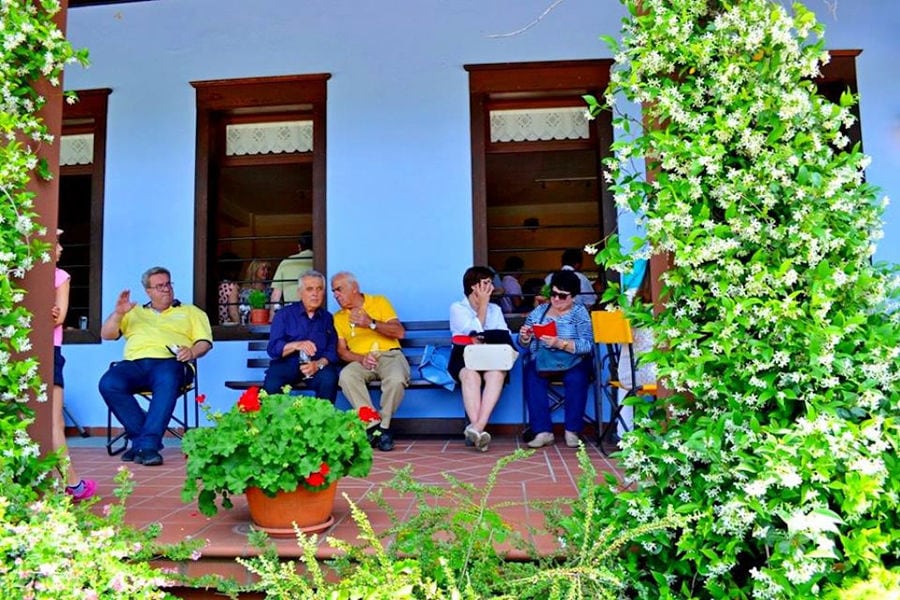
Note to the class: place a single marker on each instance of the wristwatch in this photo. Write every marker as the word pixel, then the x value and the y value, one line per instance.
pixel 319 365
pixel 372 325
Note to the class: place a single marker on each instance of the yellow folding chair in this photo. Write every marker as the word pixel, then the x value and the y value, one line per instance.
pixel 612 332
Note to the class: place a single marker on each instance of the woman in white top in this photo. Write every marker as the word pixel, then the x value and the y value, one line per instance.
pixel 472 315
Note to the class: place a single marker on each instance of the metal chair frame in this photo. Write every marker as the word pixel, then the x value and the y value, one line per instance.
pixel 612 331
pixel 176 422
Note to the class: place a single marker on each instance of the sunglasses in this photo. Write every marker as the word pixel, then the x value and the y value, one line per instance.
pixel 560 295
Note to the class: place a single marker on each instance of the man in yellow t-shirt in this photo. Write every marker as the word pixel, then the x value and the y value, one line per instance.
pixel 160 338
pixel 368 341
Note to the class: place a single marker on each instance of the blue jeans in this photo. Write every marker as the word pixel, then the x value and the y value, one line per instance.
pixel 163 377
pixel 287 372
pixel 575 382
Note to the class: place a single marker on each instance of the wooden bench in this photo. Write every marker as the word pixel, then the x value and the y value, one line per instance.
pixel 419 334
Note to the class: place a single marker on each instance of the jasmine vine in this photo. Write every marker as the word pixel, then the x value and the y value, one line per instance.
pixel 778 334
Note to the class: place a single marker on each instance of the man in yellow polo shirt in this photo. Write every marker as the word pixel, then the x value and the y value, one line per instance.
pixel 160 338
pixel 368 332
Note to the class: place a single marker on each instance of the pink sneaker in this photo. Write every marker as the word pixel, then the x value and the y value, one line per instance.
pixel 89 489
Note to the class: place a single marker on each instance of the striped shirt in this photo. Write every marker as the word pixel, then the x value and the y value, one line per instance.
pixel 574 325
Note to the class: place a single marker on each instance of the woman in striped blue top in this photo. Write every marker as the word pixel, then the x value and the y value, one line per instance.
pixel 573 335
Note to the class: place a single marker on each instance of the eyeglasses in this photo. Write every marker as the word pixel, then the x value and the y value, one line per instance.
pixel 560 295
pixel 161 287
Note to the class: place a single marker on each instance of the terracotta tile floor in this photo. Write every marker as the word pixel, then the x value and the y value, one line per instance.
pixel 551 472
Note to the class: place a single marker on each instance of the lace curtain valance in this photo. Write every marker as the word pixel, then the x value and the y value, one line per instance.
pixel 76 149
pixel 269 138
pixel 539 124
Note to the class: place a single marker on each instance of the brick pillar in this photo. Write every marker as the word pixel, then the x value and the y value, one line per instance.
pixel 38 283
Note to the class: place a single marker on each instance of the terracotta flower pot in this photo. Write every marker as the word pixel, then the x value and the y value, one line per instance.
pixel 310 510
pixel 259 316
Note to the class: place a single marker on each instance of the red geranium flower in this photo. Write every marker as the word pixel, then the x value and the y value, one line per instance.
pixel 249 401
pixel 201 398
pixel 315 479
pixel 367 415
pixel 324 469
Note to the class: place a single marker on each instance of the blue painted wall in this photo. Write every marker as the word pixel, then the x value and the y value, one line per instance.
pixel 398 180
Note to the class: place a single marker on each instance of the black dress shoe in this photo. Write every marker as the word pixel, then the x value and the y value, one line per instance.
pixel 371 436
pixel 385 441
pixel 149 458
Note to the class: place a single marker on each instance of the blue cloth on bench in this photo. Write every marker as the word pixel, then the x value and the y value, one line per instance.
pixel 433 367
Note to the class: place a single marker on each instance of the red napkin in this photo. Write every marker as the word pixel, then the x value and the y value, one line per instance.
pixel 540 330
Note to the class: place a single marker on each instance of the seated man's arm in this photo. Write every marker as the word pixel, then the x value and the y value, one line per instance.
pixel 346 354
pixel 199 348
pixel 200 332
pixel 392 329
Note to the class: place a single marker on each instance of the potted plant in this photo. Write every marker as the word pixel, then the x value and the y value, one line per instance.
pixel 259 312
pixel 272 447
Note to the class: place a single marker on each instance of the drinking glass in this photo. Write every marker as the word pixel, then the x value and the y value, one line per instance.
pixel 304 360
pixel 374 352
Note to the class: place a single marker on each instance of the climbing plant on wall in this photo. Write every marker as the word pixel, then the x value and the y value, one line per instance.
pixel 777 334
pixel 31 48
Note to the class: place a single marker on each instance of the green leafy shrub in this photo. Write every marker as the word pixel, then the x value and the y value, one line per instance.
pixel 780 335
pixel 275 443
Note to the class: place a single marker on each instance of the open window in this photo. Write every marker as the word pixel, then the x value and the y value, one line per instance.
pixel 536 163
pixel 81 175
pixel 839 76
pixel 260 180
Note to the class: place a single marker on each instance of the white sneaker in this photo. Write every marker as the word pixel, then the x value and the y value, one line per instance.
pixel 544 438
pixel 572 439
pixel 483 441
pixel 471 435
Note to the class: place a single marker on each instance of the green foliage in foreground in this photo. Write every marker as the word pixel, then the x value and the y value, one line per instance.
pixel 56 550
pixel 448 550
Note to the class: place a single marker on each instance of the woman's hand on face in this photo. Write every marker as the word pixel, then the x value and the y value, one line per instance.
pixel 481 291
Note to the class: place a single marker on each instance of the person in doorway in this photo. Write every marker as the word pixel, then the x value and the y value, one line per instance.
pixel 571 261
pixel 474 314
pixel 369 335
pixel 78 489
pixel 229 289
pixel 160 338
pixel 284 283
pixel 512 290
pixel 532 294
pixel 303 342
pixel 257 277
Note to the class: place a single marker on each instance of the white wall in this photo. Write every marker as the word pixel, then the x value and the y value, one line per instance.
pixel 398 175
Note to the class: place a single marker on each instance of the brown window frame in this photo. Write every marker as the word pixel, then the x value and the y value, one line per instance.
pixel 534 85
pixel 840 72
pixel 221 102
pixel 88 115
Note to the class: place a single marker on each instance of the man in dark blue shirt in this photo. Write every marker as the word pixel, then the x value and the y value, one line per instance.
pixel 303 342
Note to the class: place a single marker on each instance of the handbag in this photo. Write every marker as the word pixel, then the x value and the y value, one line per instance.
pixel 490 357
pixel 549 361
